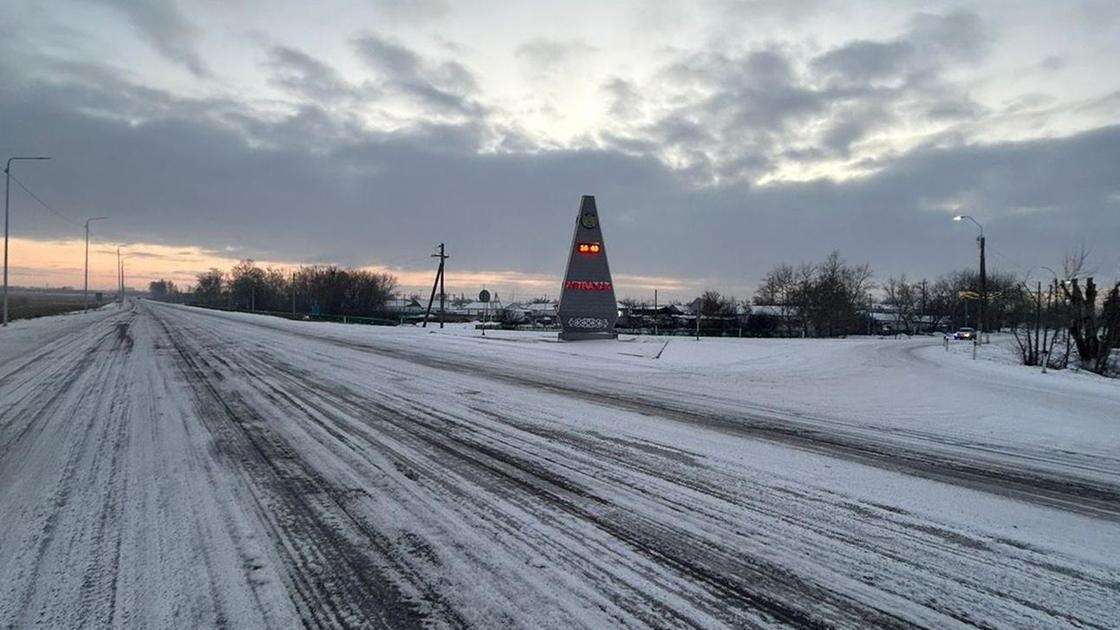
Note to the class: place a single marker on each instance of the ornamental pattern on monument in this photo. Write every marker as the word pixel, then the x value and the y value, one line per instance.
pixel 588 322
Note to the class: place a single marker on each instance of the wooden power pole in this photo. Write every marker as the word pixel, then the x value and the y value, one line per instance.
pixel 438 283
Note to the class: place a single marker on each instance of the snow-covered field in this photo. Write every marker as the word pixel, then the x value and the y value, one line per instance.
pixel 163 466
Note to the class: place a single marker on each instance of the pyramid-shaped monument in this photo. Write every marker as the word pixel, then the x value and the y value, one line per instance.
pixel 587 305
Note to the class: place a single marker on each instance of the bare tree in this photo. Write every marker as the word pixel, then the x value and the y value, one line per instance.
pixel 162 289
pixel 714 304
pixel 827 298
pixel 903 298
pixel 777 289
pixel 1037 326
pixel 776 286
pixel 1095 331
pixel 208 291
pixel 245 281
pixel 1076 263
pixel 801 296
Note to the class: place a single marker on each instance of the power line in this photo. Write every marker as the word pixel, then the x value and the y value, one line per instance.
pixel 44 204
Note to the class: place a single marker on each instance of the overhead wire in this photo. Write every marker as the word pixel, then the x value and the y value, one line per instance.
pixel 45 205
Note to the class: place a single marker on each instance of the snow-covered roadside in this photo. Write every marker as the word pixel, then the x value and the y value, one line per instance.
pixel 23 335
pixel 173 466
pixel 115 508
pixel 1000 359
pixel 575 473
pixel 905 388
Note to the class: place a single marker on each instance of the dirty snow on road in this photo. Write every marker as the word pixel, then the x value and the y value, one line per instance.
pixel 165 466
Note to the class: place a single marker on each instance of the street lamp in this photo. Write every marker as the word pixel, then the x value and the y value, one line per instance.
pixel 120 278
pixel 85 283
pixel 7 196
pixel 983 272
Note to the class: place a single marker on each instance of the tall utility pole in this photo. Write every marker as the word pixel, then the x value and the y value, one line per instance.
pixel 120 275
pixel 7 197
pixel 438 283
pixel 925 297
pixel 870 316
pixel 699 314
pixel 983 286
pixel 980 319
pixel 85 283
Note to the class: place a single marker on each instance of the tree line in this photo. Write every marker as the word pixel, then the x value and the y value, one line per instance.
pixel 825 299
pixel 1049 321
pixel 834 298
pixel 317 289
pixel 1068 317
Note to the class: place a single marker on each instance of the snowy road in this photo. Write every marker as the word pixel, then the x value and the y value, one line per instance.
pixel 171 467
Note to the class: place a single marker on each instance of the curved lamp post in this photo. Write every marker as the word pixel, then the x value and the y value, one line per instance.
pixel 85 282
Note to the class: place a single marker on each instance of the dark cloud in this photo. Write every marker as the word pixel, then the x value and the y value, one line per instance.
pixel 442 86
pixel 209 174
pixel 863 61
pixel 302 75
pixel 625 100
pixel 743 115
pixel 956 36
pixel 676 174
pixel 852 123
pixel 931 42
pixel 163 26
pixel 734 115
pixel 388 57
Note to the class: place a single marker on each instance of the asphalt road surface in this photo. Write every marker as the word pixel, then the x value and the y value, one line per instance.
pixel 172 467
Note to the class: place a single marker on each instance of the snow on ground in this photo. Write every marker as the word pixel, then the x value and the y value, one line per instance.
pixel 23 335
pixel 179 467
pixel 909 387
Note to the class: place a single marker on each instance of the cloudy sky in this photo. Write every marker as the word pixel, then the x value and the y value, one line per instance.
pixel 719 137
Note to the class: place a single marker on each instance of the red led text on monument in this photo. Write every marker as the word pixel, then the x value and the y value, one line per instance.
pixel 587 285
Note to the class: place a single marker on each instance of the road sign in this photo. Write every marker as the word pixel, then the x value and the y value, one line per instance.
pixel 484 296
pixel 587 304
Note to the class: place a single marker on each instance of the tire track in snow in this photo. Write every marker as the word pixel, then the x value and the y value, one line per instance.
pixel 524 480
pixel 519 470
pixel 291 393
pixel 448 437
pixel 39 391
pixel 85 380
pixel 928 539
pixel 100 530
pixel 332 580
pixel 976 470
